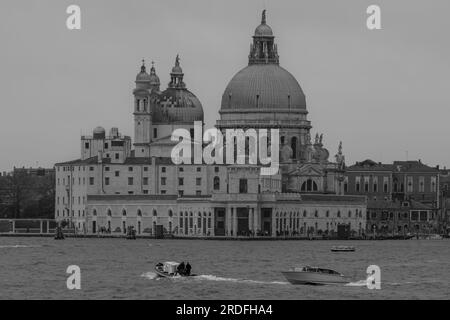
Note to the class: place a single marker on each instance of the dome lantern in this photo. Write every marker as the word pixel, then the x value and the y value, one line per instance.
pixel 263 50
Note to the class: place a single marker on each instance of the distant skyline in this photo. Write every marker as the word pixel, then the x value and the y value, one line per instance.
pixel 383 93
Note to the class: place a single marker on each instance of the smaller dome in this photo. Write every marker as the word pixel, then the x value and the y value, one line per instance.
pixel 99 133
pixel 177 68
pixel 99 130
pixel 143 75
pixel 263 30
pixel 154 79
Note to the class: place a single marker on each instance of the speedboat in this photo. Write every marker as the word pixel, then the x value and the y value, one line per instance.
pixel 343 249
pixel 169 270
pixel 314 276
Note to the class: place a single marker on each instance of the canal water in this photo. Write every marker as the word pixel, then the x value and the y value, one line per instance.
pixel 35 268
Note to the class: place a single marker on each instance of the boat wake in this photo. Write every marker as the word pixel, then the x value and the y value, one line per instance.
pixel 153 276
pixel 360 283
pixel 17 246
pixel 150 276
pixel 235 280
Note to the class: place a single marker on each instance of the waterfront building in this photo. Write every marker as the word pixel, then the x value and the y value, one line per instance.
pixel 391 185
pixel 394 217
pixel 116 183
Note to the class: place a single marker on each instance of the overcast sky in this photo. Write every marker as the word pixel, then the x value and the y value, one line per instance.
pixel 384 93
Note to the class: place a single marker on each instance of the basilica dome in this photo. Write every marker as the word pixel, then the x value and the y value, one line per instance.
pixel 263 86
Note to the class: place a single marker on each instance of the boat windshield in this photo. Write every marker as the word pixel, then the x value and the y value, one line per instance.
pixel 319 270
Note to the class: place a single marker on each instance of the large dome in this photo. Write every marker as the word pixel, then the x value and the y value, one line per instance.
pixel 263 86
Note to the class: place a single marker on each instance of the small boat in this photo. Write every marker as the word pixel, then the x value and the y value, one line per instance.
pixel 314 276
pixel 169 270
pixel 343 249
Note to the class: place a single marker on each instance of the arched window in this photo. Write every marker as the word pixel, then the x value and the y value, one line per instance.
pixel 338 214
pixel 124 213
pixel 109 213
pixel 294 147
pixel 304 214
pixel 309 185
pixel 139 213
pixel 216 183
pixel 155 213
pixel 94 213
pixel 349 214
pixel 170 213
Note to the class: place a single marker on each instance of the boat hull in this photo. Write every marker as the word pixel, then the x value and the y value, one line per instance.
pixel 314 278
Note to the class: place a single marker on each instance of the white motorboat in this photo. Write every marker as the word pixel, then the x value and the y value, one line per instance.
pixel 343 249
pixel 314 276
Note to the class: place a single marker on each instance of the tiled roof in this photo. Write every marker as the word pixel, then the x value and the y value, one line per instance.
pixel 397 166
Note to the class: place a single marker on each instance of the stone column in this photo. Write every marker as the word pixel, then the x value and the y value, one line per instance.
pixel 235 228
pixel 256 219
pixel 251 219
pixel 40 227
pixel 228 221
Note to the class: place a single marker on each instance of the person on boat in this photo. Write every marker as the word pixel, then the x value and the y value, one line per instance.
pixel 188 269
pixel 181 268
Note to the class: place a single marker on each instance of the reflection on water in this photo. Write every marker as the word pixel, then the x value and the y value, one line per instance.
pixel 35 268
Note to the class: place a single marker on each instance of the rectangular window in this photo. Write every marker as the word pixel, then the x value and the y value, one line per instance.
pixel 409 184
pixel 199 169
pixel 117 173
pixel 130 181
pixel 91 168
pixel 243 186
pixel 130 169
pixel 117 143
pixel 198 181
pixel 163 181
pixel 181 181
pixel 180 193
pixel 116 156
pixel 216 169
pixel 385 184
pixel 198 193
pixel 433 184
pixel 106 181
pixel 106 145
pixel 181 169
pixel 107 169
pixel 145 169
pixel 358 184
pixel 163 191
pixel 145 191
pixel 375 184
pixel 163 169
pixel 86 145
pixel 366 184
pixel 155 133
pixel 145 181
pixel 421 184
pixel 91 181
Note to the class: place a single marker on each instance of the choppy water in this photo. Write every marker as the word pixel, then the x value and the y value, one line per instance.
pixel 35 268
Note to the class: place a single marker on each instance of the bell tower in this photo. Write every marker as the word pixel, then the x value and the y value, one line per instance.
pixel 142 113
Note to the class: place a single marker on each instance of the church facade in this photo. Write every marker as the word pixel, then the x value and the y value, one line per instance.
pixel 118 183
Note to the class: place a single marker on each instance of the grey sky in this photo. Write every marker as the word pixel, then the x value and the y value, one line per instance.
pixel 381 92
